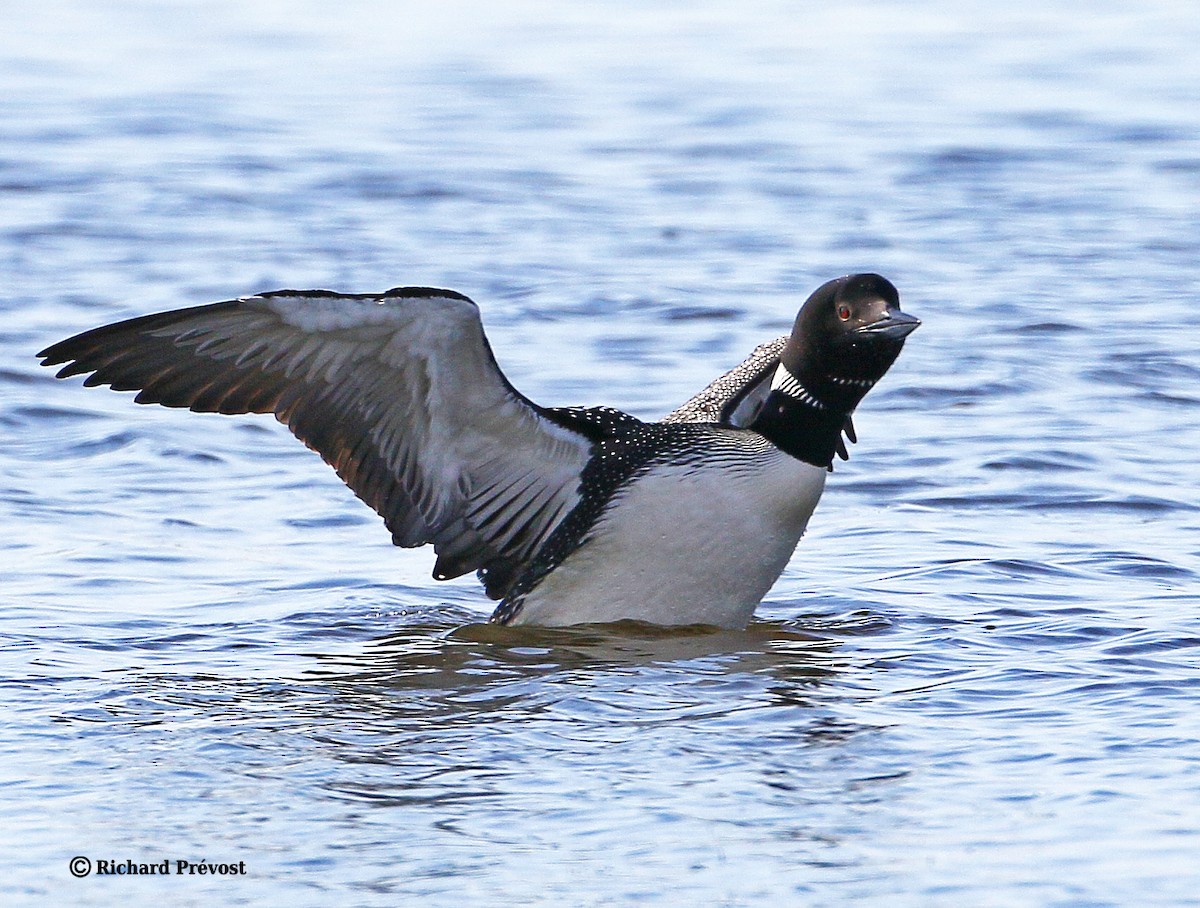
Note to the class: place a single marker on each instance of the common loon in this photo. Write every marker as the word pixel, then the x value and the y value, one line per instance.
pixel 569 515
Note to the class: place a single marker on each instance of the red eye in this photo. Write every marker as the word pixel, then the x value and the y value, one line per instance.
pixel 844 313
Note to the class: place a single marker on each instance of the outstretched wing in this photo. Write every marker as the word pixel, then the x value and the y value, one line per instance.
pixel 398 392
pixel 735 398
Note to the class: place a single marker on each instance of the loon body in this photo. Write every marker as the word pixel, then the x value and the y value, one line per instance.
pixel 692 540
pixel 568 515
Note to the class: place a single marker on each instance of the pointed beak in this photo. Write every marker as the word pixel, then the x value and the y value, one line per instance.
pixel 896 325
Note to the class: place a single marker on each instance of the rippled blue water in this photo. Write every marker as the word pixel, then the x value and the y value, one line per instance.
pixel 977 683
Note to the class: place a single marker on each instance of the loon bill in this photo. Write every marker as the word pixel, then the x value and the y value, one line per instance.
pixel 569 515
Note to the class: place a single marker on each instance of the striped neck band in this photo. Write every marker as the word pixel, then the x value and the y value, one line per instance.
pixel 786 383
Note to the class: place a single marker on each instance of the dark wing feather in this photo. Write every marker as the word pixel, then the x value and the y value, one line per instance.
pixel 398 392
pixel 720 401
pixel 733 399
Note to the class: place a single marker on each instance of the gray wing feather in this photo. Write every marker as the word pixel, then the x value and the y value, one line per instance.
pixel 719 401
pixel 398 392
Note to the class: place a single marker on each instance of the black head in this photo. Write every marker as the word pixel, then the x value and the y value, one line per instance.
pixel 847 335
pixel 845 338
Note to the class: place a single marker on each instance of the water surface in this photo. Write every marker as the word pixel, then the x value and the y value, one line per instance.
pixel 975 684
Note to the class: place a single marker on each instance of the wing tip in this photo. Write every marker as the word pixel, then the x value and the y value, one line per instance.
pixel 60 352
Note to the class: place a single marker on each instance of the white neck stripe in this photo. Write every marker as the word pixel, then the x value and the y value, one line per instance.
pixel 854 382
pixel 786 383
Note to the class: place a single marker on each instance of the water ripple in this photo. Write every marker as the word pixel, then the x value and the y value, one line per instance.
pixel 974 683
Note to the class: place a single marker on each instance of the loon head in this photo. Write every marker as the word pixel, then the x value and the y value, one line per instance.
pixel 847 335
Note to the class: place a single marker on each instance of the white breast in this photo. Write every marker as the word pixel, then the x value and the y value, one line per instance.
pixel 697 543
